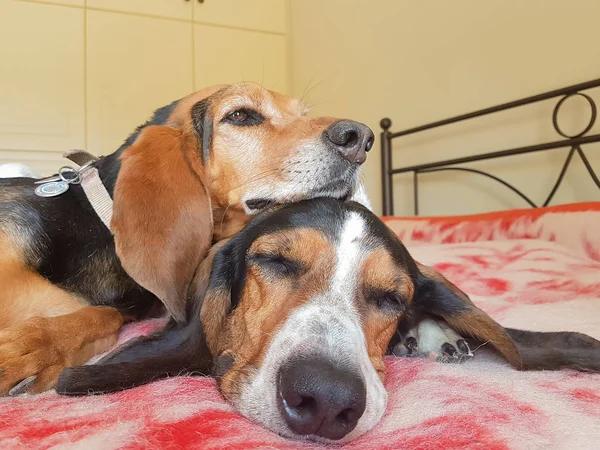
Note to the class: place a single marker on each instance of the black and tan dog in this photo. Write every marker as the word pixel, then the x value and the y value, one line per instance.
pixel 294 315
pixel 194 173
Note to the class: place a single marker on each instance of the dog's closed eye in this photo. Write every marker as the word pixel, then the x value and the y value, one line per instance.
pixel 277 264
pixel 384 300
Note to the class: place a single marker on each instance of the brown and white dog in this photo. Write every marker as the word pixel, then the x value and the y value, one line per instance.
pixel 294 314
pixel 194 173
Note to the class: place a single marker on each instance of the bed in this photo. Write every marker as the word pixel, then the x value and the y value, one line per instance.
pixel 536 268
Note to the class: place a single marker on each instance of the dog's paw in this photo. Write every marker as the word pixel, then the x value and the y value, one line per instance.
pixel 30 362
pixel 435 340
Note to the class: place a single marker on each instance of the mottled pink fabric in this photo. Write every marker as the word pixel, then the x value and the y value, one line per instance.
pixel 538 270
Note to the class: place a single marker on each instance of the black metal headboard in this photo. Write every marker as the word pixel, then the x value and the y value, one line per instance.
pixel 573 141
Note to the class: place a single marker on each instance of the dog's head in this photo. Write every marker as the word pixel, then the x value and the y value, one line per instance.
pixel 202 165
pixel 261 147
pixel 293 316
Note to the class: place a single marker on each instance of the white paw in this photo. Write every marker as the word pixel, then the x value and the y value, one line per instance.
pixel 435 340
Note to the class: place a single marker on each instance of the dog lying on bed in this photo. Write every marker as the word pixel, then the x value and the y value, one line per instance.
pixel 294 315
pixel 194 173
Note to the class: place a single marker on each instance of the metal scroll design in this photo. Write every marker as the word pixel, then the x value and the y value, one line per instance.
pixel 574 142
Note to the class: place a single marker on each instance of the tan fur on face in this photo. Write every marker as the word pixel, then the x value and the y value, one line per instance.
pixel 244 156
pixel 269 156
pixel 268 299
pixel 381 273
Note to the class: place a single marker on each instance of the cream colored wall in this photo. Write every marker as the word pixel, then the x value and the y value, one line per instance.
pixel 418 62
pixel 84 74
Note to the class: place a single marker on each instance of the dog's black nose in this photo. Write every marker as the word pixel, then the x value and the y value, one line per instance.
pixel 350 139
pixel 319 398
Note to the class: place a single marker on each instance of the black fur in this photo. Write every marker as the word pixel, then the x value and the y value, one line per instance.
pixel 431 297
pixel 174 350
pixel 68 244
pixel 203 125
pixel 181 348
pixel 434 297
pixel 109 166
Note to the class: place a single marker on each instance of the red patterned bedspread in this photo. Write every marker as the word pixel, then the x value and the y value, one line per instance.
pixel 535 269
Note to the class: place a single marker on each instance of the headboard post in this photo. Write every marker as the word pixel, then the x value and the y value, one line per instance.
pixel 386 167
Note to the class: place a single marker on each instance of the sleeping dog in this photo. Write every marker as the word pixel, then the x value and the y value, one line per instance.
pixel 294 315
pixel 70 274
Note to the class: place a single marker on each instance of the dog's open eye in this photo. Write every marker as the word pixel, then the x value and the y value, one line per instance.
pixel 238 116
pixel 277 264
pixel 384 300
pixel 244 117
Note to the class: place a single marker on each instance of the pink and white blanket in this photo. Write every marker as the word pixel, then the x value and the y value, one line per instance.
pixel 534 269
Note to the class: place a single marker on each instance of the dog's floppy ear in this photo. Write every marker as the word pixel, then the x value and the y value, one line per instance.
pixel 525 350
pixel 435 295
pixel 162 219
pixel 174 350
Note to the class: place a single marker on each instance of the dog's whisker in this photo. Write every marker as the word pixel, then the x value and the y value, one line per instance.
pixel 254 179
pixel 478 347
pixel 221 226
pixel 262 175
pixel 312 105
pixel 314 87
pixel 304 93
